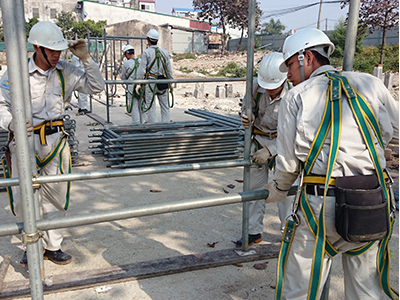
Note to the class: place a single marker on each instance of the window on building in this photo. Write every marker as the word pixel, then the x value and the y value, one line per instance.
pixel 35 12
pixel 53 13
pixel 145 7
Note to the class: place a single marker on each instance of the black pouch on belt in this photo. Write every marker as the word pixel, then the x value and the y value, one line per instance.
pixel 162 86
pixel 361 209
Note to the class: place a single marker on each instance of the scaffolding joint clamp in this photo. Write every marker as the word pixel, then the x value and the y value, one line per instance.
pixel 35 184
pixel 30 238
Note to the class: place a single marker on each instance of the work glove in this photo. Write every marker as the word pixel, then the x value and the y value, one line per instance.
pixel 261 156
pixel 246 121
pixel 79 49
pixel 29 127
pixel 275 194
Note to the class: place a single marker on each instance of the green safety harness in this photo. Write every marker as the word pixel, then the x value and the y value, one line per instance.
pixel 332 120
pixel 58 150
pixel 134 94
pixel 159 58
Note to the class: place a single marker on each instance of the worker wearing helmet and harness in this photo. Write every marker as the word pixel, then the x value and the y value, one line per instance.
pixel 155 64
pixel 268 90
pixel 333 128
pixel 128 72
pixel 52 82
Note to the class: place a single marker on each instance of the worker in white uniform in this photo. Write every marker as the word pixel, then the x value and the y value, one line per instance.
pixel 52 82
pixel 329 159
pixel 155 64
pixel 82 97
pixel 128 72
pixel 268 90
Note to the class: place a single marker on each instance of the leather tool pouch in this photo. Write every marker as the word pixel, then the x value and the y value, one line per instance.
pixel 361 209
pixel 162 86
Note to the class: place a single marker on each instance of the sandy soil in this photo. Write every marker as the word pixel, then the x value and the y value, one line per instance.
pixel 154 237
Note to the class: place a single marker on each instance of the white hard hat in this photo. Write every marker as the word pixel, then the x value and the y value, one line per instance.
pixel 153 34
pixel 269 75
pixel 48 35
pixel 126 48
pixel 306 39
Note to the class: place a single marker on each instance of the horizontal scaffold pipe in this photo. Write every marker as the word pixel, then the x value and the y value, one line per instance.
pixel 139 211
pixel 187 80
pixel 130 172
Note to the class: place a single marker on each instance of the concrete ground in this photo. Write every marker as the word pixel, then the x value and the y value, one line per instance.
pixel 161 236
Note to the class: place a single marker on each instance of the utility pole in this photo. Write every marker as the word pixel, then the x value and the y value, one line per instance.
pixel 319 14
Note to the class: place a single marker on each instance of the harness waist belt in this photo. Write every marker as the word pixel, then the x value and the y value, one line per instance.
pixel 49 130
pixel 318 190
pixel 268 134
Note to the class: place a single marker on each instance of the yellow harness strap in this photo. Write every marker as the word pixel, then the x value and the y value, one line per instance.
pixel 42 129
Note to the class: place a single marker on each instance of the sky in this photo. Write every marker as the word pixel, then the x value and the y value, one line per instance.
pixel 308 17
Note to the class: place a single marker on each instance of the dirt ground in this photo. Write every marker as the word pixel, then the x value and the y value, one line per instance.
pixel 167 235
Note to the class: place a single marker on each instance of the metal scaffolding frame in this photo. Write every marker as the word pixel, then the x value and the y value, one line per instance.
pixel 15 35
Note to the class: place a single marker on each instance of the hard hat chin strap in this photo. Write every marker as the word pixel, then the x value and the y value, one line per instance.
pixel 45 56
pixel 301 62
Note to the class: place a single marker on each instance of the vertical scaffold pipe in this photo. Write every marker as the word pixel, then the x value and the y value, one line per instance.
pixel 247 135
pixel 351 35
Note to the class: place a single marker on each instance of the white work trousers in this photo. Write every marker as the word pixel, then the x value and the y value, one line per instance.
pixel 259 178
pixel 137 115
pixel 361 278
pixel 82 101
pixel 52 196
pixel 163 102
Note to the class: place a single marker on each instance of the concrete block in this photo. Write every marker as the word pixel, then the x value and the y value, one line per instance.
pixel 388 80
pixel 220 91
pixel 199 91
pixel 228 90
pixel 378 71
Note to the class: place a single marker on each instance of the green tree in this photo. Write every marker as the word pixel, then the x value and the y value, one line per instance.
pixel 83 28
pixel 378 14
pixel 226 12
pixel 338 38
pixel 29 25
pixel 66 22
pixel 273 27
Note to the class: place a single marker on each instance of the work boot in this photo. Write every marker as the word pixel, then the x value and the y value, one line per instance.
pixel 82 111
pixel 24 260
pixel 253 238
pixel 58 257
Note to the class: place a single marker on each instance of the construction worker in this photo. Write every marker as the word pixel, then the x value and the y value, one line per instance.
pixel 155 64
pixel 333 127
pixel 52 82
pixel 268 90
pixel 82 98
pixel 128 72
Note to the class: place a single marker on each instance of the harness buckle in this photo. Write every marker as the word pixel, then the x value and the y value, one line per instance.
pixel 294 217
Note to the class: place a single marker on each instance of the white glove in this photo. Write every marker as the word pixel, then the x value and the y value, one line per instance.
pixel 275 194
pixel 29 127
pixel 261 156
pixel 246 122
pixel 79 49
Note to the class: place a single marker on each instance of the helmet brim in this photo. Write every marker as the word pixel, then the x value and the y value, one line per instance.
pixel 269 85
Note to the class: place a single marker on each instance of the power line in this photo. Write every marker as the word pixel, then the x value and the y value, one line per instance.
pixel 282 12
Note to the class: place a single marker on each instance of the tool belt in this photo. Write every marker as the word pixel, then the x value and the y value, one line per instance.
pixel 48 128
pixel 268 134
pixel 160 86
pixel 361 213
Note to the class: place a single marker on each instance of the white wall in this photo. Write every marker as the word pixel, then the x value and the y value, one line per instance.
pixel 117 14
